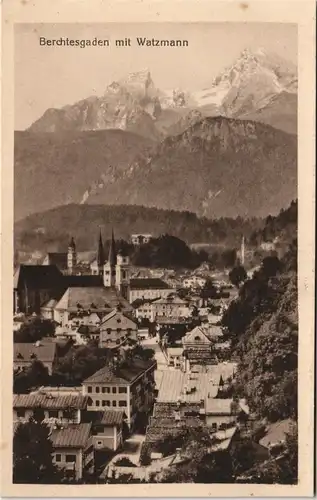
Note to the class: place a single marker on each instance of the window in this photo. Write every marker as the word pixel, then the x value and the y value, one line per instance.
pixel 122 403
pixel 20 413
pixel 97 389
pixel 97 402
pixel 53 414
pixel 109 331
pixel 114 390
pixel 58 457
pixel 70 458
pixel 89 388
pixel 105 390
pixel 122 390
pixel 214 426
pixel 114 403
pixel 105 402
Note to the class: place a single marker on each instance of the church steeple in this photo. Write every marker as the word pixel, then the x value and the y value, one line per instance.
pixel 112 251
pixel 100 253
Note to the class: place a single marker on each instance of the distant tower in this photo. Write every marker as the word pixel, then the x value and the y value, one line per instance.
pixel 122 273
pixel 109 273
pixel 242 251
pixel 100 256
pixel 71 256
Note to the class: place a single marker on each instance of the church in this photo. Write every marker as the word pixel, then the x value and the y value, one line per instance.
pixel 36 285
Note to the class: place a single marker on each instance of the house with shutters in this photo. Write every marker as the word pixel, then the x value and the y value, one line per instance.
pixel 125 386
pixel 115 328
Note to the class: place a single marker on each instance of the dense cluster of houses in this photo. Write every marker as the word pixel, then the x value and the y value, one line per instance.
pixel 108 303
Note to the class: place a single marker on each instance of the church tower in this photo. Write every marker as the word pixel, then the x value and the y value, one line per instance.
pixel 100 256
pixel 71 256
pixel 122 274
pixel 109 273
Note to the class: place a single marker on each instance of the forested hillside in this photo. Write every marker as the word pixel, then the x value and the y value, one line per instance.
pixel 263 323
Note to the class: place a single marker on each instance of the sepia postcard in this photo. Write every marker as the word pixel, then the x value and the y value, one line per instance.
pixel 157 291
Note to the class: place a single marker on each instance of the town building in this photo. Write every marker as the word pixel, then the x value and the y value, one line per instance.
pixel 171 306
pixel 148 288
pixel 73 449
pixel 34 285
pixel 145 310
pixel 24 354
pixel 140 239
pixel 107 428
pixel 194 282
pixel 115 328
pixel 175 356
pixel 62 408
pixel 81 301
pixel 128 387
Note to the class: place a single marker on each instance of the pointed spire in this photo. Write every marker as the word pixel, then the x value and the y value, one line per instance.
pixel 112 251
pixel 100 254
pixel 72 243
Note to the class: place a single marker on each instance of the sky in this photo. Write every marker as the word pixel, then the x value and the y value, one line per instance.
pixel 52 77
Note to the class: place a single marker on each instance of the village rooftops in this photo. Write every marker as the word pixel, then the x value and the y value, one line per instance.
pixel 148 284
pixel 276 433
pixel 42 351
pixel 99 299
pixel 48 401
pixel 71 436
pixel 123 375
pixel 183 387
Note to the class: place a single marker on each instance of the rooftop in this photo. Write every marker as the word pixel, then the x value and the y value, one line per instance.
pixel 276 433
pixel 199 386
pixel 148 283
pixel 95 299
pixel 48 401
pixel 38 277
pixel 43 351
pixel 124 375
pixel 82 280
pixel 71 436
pixel 219 406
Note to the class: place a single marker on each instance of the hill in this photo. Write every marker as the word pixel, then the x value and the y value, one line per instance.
pixel 218 167
pixel 52 169
pixel 51 230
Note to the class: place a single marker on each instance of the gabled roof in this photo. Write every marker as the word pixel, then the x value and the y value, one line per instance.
pixel 192 336
pixel 148 284
pixel 71 436
pixel 94 298
pixel 37 277
pixel 43 351
pixel 276 433
pixel 123 375
pixel 50 402
pixel 116 319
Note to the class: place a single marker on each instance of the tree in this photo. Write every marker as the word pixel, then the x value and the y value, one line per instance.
pixel 34 376
pixel 34 330
pixel 32 455
pixel 237 275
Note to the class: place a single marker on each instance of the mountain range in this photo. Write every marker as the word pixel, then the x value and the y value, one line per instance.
pixel 226 150
pixel 258 85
